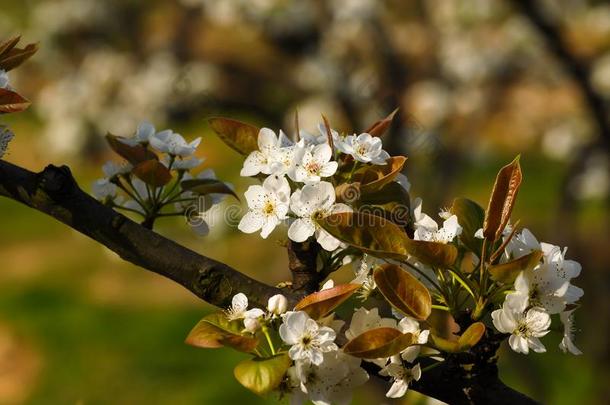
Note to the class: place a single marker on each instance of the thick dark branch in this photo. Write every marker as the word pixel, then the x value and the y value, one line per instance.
pixel 55 192
pixel 302 261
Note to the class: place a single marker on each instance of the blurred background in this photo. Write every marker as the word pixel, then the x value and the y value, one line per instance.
pixel 477 82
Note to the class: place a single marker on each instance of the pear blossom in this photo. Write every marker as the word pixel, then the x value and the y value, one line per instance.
pixel 312 163
pixel 6 135
pixel 4 81
pixel 308 340
pixel 277 305
pixel 525 328
pixel 112 169
pixel 522 243
pixel 103 190
pixel 268 206
pixel 313 202
pixel 363 270
pixel 331 382
pixel 273 156
pixel 185 164
pixel 427 229
pixel 364 320
pixel 239 309
pixel 143 134
pixel 168 141
pixel 321 137
pixel 420 337
pixel 567 343
pixel 252 324
pixel 401 375
pixel 364 148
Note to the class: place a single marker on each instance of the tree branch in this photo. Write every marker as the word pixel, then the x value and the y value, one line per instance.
pixel 55 192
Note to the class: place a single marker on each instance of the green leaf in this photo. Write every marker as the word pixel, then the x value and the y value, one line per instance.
pixel 403 291
pixel 238 135
pixel 506 273
pixel 470 217
pixel 262 375
pixel 207 186
pixel 502 200
pixel 152 172
pixel 215 331
pixel 11 102
pixel 133 154
pixel 469 339
pixel 320 303
pixel 375 177
pixel 379 342
pixel 370 233
pixel 379 127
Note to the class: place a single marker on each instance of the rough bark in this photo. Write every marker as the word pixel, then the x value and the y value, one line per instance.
pixel 466 379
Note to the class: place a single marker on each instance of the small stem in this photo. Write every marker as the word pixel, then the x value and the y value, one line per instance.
pixel 269 342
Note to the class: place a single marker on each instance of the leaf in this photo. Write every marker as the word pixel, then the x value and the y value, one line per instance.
pixel 391 202
pixel 379 342
pixel 469 339
pixel 502 200
pixel 432 253
pixel 133 154
pixel 379 127
pixel 215 331
pixel 153 172
pixel 262 375
pixel 403 291
pixel 370 233
pixel 238 135
pixel 207 186
pixel 320 303
pixel 377 176
pixel 470 217
pixel 14 57
pixel 9 44
pixel 11 102
pixel 507 272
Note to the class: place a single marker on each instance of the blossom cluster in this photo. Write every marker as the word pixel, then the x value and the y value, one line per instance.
pixel 6 135
pixel 299 176
pixel 129 188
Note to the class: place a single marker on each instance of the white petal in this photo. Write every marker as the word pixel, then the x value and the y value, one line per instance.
pixel 301 229
pixel 251 222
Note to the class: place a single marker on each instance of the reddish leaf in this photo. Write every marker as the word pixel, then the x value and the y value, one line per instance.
pixel 153 172
pixel 14 57
pixel 9 44
pixel 403 291
pixel 11 102
pixel 133 154
pixel 376 177
pixel 379 342
pixel 238 135
pixel 215 331
pixel 502 200
pixel 379 127
pixel 507 272
pixel 432 253
pixel 320 303
pixel 207 186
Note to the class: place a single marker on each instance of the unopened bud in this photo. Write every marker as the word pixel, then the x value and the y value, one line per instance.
pixel 277 305
pixel 252 324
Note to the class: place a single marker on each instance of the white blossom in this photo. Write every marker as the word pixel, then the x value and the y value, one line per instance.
pixel 420 337
pixel 273 157
pixel 277 305
pixel 401 375
pixel 311 203
pixel 239 309
pixel 4 81
pixel 185 164
pixel 308 340
pixel 525 328
pixel 427 229
pixel 268 206
pixel 142 136
pixel 364 148
pixel 103 189
pixel 567 343
pixel 312 163
pixel 112 169
pixel 168 141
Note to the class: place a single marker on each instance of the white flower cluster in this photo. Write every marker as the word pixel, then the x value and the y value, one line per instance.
pixel 4 81
pixel 298 187
pixel 539 293
pixel 178 157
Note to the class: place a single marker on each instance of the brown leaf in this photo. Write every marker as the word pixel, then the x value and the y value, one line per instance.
pixel 379 127
pixel 133 154
pixel 11 102
pixel 9 44
pixel 376 177
pixel 153 172
pixel 16 56
pixel 470 217
pixel 320 303
pixel 238 135
pixel 435 254
pixel 469 339
pixel 507 272
pixel 207 186
pixel 403 291
pixel 379 342
pixel 502 200
pixel 215 331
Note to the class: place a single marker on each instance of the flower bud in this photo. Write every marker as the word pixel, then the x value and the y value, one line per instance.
pixel 277 305
pixel 252 324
